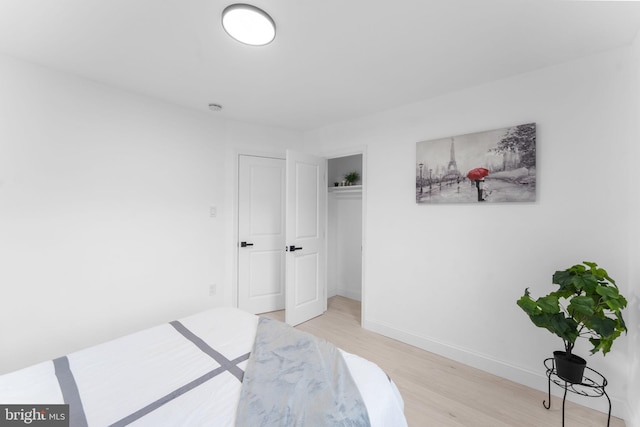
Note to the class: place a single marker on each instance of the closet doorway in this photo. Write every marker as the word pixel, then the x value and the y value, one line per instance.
pixel 344 228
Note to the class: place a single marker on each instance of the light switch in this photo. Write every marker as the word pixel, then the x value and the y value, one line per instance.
pixel 213 211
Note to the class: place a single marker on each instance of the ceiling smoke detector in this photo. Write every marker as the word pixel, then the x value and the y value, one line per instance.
pixel 248 24
pixel 215 107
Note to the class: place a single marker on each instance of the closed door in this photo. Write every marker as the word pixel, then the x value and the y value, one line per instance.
pixel 306 201
pixel 261 233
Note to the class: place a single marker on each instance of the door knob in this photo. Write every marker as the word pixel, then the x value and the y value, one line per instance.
pixel 245 244
pixel 294 248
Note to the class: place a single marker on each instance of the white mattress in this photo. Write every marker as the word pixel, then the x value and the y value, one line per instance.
pixel 186 373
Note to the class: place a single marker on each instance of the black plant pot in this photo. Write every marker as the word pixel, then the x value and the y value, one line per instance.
pixel 569 368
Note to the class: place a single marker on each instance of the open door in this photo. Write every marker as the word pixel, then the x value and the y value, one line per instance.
pixel 306 201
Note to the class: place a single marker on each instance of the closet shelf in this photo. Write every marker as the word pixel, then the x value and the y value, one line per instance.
pixel 346 189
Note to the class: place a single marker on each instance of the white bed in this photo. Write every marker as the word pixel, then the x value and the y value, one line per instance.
pixel 184 373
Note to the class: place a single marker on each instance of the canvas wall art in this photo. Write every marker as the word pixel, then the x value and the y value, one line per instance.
pixel 497 166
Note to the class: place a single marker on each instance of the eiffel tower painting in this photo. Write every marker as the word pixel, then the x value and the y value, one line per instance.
pixel 508 154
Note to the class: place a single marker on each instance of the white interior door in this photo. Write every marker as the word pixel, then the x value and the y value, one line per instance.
pixel 261 234
pixel 306 201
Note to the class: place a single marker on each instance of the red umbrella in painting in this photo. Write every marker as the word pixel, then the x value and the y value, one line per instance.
pixel 477 173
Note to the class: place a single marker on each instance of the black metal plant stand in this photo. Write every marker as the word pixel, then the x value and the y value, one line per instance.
pixel 592 385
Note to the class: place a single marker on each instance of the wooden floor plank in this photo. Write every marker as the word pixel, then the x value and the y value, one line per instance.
pixel 441 392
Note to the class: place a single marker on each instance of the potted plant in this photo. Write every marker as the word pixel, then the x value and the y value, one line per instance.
pixel 352 177
pixel 586 305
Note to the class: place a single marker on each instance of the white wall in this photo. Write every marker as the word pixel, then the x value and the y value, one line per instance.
pixel 344 236
pixel 104 211
pixel 633 316
pixel 446 277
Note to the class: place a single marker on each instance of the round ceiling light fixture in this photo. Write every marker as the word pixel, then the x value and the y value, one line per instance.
pixel 248 24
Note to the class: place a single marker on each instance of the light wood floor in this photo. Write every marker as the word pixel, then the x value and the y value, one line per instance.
pixel 441 392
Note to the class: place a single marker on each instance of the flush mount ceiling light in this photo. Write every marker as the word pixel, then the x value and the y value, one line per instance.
pixel 248 24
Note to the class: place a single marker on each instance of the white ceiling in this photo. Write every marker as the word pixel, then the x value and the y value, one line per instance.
pixel 332 60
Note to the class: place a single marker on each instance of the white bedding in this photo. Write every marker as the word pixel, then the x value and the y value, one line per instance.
pixel 186 373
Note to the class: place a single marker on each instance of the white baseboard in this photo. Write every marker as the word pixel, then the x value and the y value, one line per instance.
pixel 536 380
pixel 633 416
pixel 347 293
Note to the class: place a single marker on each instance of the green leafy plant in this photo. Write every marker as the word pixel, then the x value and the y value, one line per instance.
pixel 587 304
pixel 352 177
